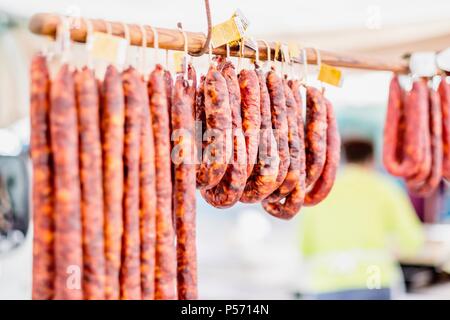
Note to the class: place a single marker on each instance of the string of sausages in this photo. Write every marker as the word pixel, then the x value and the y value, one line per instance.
pixel 417 134
pixel 117 161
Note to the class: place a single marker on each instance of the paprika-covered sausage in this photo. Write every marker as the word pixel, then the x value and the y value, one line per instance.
pixel 228 191
pixel 43 189
pixel 183 156
pixel 130 276
pixel 262 180
pixel 112 124
pixel 147 190
pixel 251 114
pixel 315 135
pixel 293 173
pixel 427 187
pixel 165 270
pixel 323 185
pixel 91 184
pixel 64 141
pixel 279 123
pixel 444 93
pixel 200 123
pixel 218 150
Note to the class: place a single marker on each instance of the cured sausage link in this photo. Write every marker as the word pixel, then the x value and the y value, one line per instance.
pixel 431 182
pixel 147 200
pixel 324 184
pixel 262 180
pixel 91 184
pixel 251 114
pixel 218 150
pixel 316 135
pixel 43 190
pixel 165 269
pixel 184 189
pixel 130 277
pixel 68 233
pixel 444 93
pixel 228 191
pixel 293 173
pixel 279 123
pixel 112 125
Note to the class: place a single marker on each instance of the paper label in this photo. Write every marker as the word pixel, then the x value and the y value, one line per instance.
pixel 330 75
pixel 179 61
pixel 109 48
pixel 443 60
pixel 286 53
pixel 423 64
pixel 294 50
pixel 229 31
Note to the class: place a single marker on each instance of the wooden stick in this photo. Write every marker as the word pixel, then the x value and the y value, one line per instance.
pixel 172 39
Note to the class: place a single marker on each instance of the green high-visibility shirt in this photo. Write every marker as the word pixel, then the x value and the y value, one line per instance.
pixel 346 240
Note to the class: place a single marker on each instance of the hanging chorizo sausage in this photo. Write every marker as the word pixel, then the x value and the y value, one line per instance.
pixel 91 184
pixel 112 125
pixel 315 135
pixel 293 173
pixel 323 185
pixel 68 232
pixel 147 197
pixel 444 93
pixel 251 114
pixel 262 181
pixel 43 189
pixel 165 270
pixel 183 155
pixel 218 149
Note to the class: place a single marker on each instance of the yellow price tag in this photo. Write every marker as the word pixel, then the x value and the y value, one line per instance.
pixel 225 32
pixel 108 47
pixel 330 75
pixel 294 50
pixel 179 61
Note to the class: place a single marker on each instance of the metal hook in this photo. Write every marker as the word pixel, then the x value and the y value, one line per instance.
pixel 126 33
pixel 186 48
pixel 269 50
pixel 207 43
pixel 155 43
pixel 256 52
pixel 143 50
pixel 89 32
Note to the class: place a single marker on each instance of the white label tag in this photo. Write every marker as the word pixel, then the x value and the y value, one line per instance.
pixel 423 64
pixel 443 60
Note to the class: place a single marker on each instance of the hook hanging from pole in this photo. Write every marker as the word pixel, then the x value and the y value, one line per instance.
pixel 208 36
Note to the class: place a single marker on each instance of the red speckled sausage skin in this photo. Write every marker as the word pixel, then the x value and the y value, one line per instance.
pixel 183 156
pixel 130 276
pixel 230 188
pixel 279 123
pixel 263 180
pixel 251 114
pixel 405 155
pixel 293 173
pixel 112 125
pixel 43 190
pixel 431 182
pixel 165 274
pixel 218 150
pixel 324 184
pixel 444 93
pixel 147 199
pixel 315 135
pixel 87 96
pixel 68 233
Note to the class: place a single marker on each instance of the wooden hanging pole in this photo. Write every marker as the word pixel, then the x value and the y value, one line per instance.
pixel 172 39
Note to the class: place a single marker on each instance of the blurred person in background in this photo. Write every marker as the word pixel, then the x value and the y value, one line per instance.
pixel 351 240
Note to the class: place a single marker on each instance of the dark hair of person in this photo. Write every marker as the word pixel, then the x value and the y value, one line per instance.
pixel 358 150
